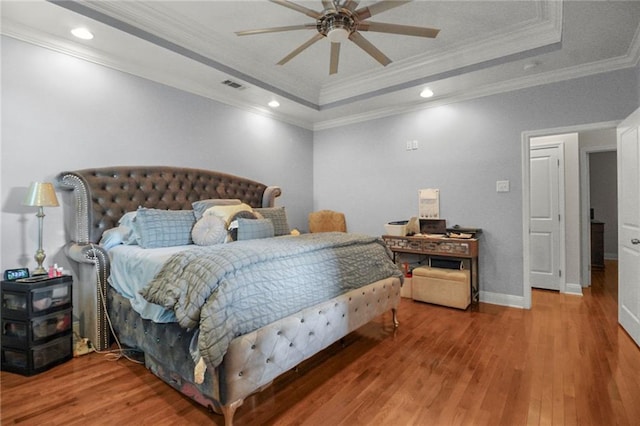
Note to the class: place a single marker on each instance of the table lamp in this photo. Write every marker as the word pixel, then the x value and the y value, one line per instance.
pixel 40 194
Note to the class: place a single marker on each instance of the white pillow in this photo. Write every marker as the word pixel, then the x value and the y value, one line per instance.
pixel 209 230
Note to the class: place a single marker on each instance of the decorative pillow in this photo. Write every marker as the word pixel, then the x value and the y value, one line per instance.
pixel 115 236
pixel 251 229
pixel 279 218
pixel 233 222
pixel 199 207
pixel 209 230
pixel 163 228
pixel 227 212
pixel 127 221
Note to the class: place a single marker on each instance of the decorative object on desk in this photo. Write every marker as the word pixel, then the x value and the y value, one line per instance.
pixel 397 228
pixel 413 227
pixel 429 203
pixel 433 226
pixel 40 194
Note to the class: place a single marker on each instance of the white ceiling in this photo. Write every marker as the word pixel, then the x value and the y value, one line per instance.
pixel 483 47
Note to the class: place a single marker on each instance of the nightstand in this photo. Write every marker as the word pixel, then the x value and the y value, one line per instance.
pixel 36 324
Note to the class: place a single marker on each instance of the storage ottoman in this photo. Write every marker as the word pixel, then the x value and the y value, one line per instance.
pixel 447 287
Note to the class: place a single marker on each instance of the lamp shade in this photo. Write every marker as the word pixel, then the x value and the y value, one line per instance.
pixel 41 194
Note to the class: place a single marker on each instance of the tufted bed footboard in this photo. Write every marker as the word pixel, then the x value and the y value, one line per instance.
pixel 253 360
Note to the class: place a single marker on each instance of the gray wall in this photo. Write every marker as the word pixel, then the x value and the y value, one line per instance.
pixel 604 200
pixel 61 113
pixel 464 148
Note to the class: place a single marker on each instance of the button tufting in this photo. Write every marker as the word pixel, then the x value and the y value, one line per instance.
pixel 240 374
pixel 253 346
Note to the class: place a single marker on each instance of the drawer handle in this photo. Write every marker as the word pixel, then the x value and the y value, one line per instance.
pixel 635 241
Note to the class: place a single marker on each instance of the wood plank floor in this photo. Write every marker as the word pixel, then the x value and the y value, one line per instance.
pixel 564 362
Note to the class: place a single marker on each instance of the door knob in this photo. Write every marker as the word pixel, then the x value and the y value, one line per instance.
pixel 635 241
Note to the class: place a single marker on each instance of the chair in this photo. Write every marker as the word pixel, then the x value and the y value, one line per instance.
pixel 327 221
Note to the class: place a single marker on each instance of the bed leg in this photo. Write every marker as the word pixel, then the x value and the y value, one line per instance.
pixel 229 410
pixel 394 311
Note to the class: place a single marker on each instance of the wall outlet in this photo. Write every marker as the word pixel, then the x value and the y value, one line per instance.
pixel 409 145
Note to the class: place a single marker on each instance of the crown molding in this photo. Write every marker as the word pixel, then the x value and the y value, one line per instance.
pixel 622 62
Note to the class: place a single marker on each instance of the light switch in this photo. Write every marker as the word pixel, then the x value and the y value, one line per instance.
pixel 502 186
pixel 414 144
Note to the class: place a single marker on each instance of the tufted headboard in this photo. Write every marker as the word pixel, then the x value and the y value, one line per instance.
pixel 103 195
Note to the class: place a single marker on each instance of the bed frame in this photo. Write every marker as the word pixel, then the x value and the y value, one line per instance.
pixel 99 197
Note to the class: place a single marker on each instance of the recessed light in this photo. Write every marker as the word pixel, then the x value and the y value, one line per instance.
pixel 426 93
pixel 82 33
pixel 274 104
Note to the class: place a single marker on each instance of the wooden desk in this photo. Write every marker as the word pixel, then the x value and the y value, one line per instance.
pixel 440 247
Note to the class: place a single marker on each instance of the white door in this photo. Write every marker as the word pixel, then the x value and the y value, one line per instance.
pixel 544 218
pixel 629 225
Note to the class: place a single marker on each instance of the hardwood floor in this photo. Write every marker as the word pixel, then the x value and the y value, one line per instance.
pixel 566 361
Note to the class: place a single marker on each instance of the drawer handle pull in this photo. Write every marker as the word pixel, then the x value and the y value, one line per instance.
pixel 635 241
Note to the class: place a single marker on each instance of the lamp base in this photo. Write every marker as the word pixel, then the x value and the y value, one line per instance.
pixel 39 257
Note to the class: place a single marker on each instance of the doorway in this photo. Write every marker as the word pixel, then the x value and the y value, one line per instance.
pixel 576 252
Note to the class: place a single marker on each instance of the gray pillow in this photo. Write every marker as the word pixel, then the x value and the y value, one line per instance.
pixel 233 222
pixel 252 229
pixel 163 228
pixel 209 230
pixel 279 218
pixel 200 206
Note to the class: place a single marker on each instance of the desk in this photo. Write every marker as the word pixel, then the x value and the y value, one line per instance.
pixel 440 247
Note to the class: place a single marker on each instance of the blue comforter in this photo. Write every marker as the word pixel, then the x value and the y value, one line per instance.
pixel 232 289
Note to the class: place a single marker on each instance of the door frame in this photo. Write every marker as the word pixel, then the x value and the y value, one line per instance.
pixel 526 177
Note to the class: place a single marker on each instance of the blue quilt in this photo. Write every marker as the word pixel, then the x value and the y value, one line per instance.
pixel 232 289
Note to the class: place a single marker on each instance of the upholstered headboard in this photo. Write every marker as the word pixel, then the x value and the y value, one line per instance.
pixel 103 195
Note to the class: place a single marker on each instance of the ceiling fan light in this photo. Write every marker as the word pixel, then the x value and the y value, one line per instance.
pixel 338 35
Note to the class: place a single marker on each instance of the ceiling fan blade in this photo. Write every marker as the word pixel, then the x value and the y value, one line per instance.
pixel 312 13
pixel 328 5
pixel 381 6
pixel 365 45
pixel 350 5
pixel 297 51
pixel 277 29
pixel 382 27
pixel 335 57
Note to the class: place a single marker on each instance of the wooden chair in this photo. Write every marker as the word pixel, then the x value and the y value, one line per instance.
pixel 327 221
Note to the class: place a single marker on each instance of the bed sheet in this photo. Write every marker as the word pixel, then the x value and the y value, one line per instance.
pixel 132 268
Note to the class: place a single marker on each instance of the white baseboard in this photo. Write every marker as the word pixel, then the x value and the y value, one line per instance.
pixel 502 299
pixel 571 288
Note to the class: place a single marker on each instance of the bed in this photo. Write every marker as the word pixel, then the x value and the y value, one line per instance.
pixel 304 292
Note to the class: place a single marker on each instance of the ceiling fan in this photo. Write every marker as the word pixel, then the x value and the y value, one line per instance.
pixel 341 20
